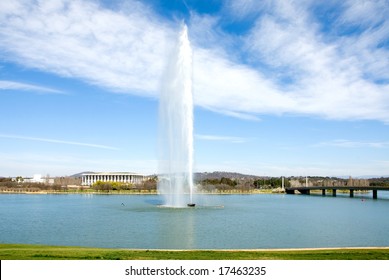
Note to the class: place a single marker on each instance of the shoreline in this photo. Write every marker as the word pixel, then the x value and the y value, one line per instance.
pixel 135 192
pixel 263 249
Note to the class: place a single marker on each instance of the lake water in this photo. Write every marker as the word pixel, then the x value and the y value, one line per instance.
pixel 220 221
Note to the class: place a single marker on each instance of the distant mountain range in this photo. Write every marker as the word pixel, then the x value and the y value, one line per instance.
pixel 199 176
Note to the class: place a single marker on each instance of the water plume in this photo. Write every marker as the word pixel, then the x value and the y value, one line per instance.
pixel 176 126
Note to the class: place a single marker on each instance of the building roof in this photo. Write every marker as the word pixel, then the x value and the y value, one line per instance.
pixel 111 173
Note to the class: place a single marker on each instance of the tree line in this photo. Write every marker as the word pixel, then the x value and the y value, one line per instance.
pixel 148 185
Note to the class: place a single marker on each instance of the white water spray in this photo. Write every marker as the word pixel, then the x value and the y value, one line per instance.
pixel 176 126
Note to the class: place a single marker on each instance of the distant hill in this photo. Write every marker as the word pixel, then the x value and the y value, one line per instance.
pixel 199 176
pixel 372 177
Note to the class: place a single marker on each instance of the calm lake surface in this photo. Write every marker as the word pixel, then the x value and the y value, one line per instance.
pixel 220 221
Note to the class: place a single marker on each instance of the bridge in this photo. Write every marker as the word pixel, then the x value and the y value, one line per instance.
pixel 307 190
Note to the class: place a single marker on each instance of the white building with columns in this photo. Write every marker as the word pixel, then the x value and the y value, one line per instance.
pixel 89 178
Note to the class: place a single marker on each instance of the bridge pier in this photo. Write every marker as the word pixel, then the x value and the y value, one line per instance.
pixel 323 192
pixel 333 192
pixel 305 191
pixel 351 193
pixel 375 194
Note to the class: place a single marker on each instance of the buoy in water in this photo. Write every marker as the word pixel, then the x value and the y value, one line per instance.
pixel 191 204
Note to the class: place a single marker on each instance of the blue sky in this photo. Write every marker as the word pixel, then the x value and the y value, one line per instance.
pixel 280 87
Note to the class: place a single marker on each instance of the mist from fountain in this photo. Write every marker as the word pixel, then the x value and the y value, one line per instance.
pixel 176 126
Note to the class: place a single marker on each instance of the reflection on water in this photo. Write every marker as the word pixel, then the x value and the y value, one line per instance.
pixel 176 228
pixel 217 221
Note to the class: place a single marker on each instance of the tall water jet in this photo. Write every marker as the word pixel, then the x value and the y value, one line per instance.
pixel 176 126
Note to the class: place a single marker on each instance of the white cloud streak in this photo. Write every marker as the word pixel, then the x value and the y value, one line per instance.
pixel 11 85
pixel 26 164
pixel 231 139
pixel 342 143
pixel 291 66
pixel 55 141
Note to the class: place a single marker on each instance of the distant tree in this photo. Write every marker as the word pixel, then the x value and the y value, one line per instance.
pixel 228 181
pixel 19 179
pixel 3 179
pixel 102 186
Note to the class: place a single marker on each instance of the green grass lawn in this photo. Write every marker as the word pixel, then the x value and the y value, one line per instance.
pixel 42 252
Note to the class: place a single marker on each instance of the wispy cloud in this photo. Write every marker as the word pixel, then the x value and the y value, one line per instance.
pixel 120 50
pixel 11 85
pixel 56 141
pixel 327 78
pixel 342 143
pixel 231 139
pixel 290 65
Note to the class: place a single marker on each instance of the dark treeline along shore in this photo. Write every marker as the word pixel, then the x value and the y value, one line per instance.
pixel 206 182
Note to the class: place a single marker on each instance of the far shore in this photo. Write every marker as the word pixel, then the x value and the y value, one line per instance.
pixel 151 192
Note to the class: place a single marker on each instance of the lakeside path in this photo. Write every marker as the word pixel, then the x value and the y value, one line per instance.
pixel 43 252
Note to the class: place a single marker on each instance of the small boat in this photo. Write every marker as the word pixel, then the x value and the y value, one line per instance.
pixel 191 204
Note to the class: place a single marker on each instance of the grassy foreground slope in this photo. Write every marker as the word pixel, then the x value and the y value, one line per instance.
pixel 42 252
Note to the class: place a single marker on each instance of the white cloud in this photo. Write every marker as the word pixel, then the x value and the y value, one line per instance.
pixel 121 50
pixel 327 77
pixel 56 141
pixel 11 85
pixel 290 66
pixel 228 87
pixel 364 12
pixel 231 139
pixel 243 9
pixel 342 143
